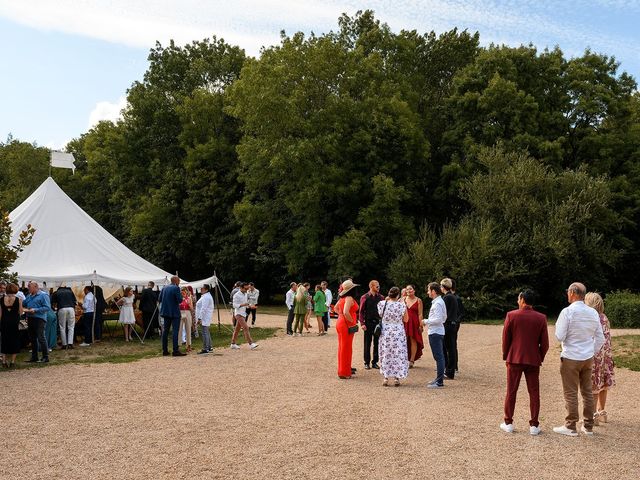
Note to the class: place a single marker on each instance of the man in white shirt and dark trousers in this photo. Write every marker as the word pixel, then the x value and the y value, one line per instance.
pixel 204 315
pixel 435 323
pixel 291 293
pixel 329 299
pixel 240 304
pixel 579 329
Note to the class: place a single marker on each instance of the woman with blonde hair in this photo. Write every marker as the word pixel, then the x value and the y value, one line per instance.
pixel 299 309
pixel 127 316
pixel 602 376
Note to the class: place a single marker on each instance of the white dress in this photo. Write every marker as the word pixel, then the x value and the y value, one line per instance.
pixel 393 341
pixel 126 311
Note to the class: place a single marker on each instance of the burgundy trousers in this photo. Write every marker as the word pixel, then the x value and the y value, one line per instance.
pixel 532 376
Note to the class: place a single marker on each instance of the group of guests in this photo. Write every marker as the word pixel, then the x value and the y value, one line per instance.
pixel 586 360
pixel 394 325
pixel 302 305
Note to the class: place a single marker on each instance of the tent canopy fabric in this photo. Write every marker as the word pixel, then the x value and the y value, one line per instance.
pixel 71 247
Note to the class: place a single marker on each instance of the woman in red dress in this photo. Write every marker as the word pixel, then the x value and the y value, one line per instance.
pixel 347 307
pixel 413 328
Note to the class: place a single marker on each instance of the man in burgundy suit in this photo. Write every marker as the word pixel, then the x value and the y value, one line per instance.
pixel 525 342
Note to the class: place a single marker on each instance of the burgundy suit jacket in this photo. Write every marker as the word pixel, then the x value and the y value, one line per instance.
pixel 525 339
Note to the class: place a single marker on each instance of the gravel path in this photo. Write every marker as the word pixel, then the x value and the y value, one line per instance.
pixel 281 412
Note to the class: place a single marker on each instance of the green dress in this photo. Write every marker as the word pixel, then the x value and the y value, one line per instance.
pixel 320 303
pixel 300 307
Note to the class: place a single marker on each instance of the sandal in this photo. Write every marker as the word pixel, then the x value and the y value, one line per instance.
pixel 396 383
pixel 410 364
pixel 596 419
pixel 603 416
pixel 385 383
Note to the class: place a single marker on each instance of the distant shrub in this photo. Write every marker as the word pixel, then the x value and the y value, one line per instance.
pixel 623 309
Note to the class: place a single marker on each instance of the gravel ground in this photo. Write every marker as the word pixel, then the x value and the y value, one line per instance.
pixel 281 412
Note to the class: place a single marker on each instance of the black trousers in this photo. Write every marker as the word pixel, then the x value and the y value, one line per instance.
pixel 457 330
pixel 35 327
pixel 290 322
pixel 369 337
pixel 450 349
pixel 150 321
pixel 251 312
pixel 325 320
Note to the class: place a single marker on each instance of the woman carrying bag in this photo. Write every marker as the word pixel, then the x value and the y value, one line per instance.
pixel 346 327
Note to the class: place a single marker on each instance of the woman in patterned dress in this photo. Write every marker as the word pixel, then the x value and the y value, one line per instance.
pixel 602 375
pixel 393 339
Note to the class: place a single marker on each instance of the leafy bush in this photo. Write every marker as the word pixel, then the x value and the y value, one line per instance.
pixel 623 309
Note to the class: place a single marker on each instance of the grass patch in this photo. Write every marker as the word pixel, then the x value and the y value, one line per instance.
pixel 626 351
pixel 113 349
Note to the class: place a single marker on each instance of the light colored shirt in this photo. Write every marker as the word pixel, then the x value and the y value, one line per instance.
pixel 252 296
pixel 89 303
pixel 437 317
pixel 204 309
pixel 239 299
pixel 329 295
pixel 289 298
pixel 579 329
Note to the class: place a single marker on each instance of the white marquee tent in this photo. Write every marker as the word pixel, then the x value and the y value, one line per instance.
pixel 71 247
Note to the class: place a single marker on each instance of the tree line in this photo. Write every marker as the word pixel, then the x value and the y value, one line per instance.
pixel 366 152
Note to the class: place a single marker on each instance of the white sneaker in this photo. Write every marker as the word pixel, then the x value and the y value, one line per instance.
pixel 83 344
pixel 535 430
pixel 565 431
pixel 235 346
pixel 585 431
pixel 506 427
pixel 253 346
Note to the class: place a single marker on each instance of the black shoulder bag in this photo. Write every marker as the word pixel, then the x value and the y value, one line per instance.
pixel 378 330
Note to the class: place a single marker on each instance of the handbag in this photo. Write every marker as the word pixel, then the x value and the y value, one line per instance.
pixel 378 330
pixel 353 329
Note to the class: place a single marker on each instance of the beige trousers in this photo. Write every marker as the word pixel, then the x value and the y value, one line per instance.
pixel 576 375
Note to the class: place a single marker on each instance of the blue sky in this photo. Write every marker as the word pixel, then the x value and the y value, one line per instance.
pixel 66 64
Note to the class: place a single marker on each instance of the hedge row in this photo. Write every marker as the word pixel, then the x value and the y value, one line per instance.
pixel 623 309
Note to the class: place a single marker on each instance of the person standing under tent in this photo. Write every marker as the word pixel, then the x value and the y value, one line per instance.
pixel 88 307
pixel 36 305
pixel 149 307
pixel 204 315
pixel 289 301
pixel 329 300
pixel 64 301
pixel 252 295
pixel 101 305
pixel 127 315
pixel 10 312
pixel 185 317
pixel 240 304
pixel 170 299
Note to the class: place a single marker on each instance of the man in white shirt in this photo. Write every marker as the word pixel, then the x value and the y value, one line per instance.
pixel 204 315
pixel 291 293
pixel 435 323
pixel 329 296
pixel 240 304
pixel 579 329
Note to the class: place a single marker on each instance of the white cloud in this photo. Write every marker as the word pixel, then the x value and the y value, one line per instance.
pixel 107 111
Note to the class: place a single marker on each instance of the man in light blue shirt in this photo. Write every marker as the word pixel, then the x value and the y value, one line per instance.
pixel 579 329
pixel 36 307
pixel 435 323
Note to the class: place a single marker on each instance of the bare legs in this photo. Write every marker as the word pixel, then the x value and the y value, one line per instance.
pixel 413 350
pixel 600 400
pixel 320 325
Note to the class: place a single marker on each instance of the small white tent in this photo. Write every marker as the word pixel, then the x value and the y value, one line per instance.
pixel 71 247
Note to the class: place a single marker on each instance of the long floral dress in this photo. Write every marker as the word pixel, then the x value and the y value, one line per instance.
pixel 393 340
pixel 602 375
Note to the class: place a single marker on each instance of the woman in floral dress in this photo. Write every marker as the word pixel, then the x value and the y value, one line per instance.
pixel 602 375
pixel 393 339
